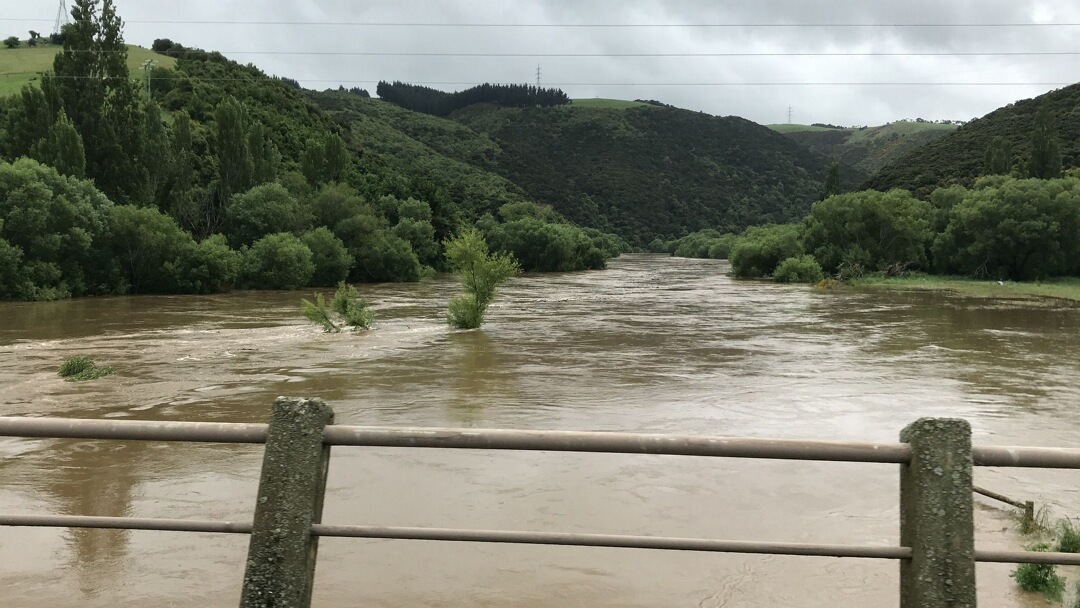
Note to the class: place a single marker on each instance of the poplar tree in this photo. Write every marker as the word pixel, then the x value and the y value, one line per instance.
pixel 62 148
pixel 1045 161
pixel 999 157
pixel 832 181
pixel 235 166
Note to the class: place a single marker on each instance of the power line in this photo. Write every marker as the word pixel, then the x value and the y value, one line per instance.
pixel 614 84
pixel 573 25
pixel 608 55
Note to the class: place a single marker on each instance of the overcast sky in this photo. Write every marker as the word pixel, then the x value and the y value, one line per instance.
pixel 722 85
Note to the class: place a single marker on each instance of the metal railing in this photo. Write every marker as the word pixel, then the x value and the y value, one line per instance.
pixel 936 553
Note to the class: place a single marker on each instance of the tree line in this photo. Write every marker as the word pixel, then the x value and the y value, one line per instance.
pixel 222 177
pixel 440 103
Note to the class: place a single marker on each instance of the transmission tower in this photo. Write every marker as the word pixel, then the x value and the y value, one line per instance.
pixel 789 115
pixel 538 75
pixel 61 16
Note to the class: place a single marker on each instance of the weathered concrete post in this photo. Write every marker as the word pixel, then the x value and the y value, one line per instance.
pixel 281 554
pixel 936 516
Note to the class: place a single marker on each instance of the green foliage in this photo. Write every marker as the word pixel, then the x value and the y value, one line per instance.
pixel 1042 578
pixel 346 304
pixel 420 235
pixel 542 247
pixel 481 273
pixel 12 42
pixel 431 101
pixel 874 230
pixel 50 224
pixel 1068 537
pixel 61 148
pixel 265 209
pixel 141 241
pixel 277 261
pixel 1013 229
pixel 353 309
pixel 999 156
pixel 331 258
pixel 958 158
pixel 82 367
pixel 317 312
pixel 832 181
pixel 207 267
pixel 235 165
pixel 799 269
pixel 707 243
pixel 1045 160
pixel 760 249
pixel 863 151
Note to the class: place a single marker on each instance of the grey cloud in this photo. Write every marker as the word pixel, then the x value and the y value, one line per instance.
pixel 640 77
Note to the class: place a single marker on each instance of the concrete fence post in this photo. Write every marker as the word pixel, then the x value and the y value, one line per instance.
pixel 281 554
pixel 936 516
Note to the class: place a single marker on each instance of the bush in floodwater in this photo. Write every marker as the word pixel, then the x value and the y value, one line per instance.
pixel 353 310
pixel 82 367
pixel 799 269
pixel 1040 577
pixel 1068 540
pixel 481 273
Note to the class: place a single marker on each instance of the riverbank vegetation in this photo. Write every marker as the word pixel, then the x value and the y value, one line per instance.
pixel 217 176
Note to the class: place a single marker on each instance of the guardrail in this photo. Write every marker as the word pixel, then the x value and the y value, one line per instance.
pixel 936 553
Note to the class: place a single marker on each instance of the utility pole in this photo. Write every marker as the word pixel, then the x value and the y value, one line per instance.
pixel 61 15
pixel 789 115
pixel 148 67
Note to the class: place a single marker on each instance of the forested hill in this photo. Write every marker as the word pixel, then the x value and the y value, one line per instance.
pixel 641 171
pixel 651 171
pixel 960 157
pixel 867 149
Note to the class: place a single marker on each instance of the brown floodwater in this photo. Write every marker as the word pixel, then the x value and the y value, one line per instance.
pixel 653 344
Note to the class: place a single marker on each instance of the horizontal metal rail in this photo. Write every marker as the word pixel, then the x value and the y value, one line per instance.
pixel 555 441
pixel 530 538
pixel 138 430
pixel 621 443
pixel 125 523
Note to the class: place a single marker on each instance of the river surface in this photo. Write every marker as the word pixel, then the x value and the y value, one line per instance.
pixel 653 344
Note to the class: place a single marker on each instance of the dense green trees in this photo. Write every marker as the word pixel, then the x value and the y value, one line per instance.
pixel 438 103
pixel 832 181
pixel 61 148
pixel 760 249
pixel 868 230
pixel 999 156
pixel 1013 229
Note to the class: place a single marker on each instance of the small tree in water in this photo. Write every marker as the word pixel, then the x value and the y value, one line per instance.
pixel 481 273
pixel 347 303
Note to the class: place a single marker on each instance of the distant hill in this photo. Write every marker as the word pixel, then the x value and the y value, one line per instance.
pixel 638 169
pixel 868 149
pixel 22 65
pixel 959 157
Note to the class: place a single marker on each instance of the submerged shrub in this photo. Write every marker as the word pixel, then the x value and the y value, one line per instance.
pixel 346 304
pixel 481 273
pixel 82 367
pixel 1042 578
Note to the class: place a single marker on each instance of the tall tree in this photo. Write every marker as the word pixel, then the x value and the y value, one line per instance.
pixel 61 148
pixel 234 159
pixel 91 81
pixel 832 181
pixel 999 156
pixel 1045 161
pixel 264 155
pixel 335 157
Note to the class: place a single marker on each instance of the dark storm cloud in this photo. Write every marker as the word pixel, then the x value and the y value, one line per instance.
pixel 692 82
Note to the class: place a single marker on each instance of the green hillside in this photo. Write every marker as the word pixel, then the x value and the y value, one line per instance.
pixel 651 171
pixel 868 149
pixel 959 157
pixel 22 65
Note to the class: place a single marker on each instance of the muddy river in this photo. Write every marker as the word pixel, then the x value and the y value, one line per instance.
pixel 653 344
